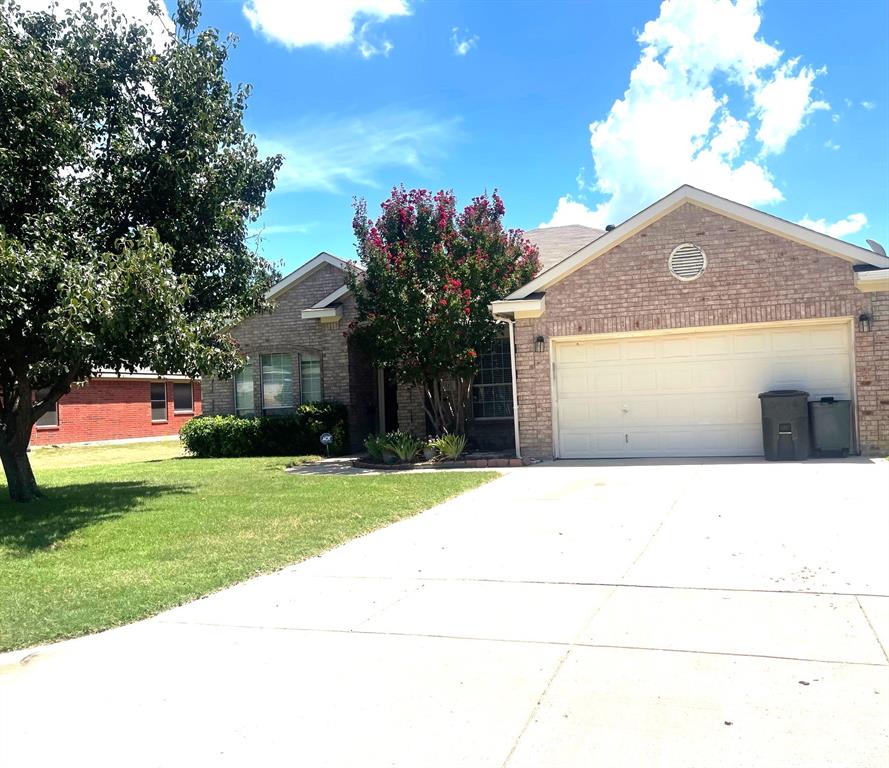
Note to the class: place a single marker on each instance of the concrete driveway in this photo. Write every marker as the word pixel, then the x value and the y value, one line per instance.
pixel 663 614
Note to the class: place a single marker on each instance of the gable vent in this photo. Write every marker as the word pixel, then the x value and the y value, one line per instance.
pixel 687 262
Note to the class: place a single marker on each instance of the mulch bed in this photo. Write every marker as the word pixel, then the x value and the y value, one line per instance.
pixel 444 464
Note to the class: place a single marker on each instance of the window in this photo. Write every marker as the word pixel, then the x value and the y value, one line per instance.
pixel 183 398
pixel 244 390
pixel 309 377
pixel 277 381
pixel 51 417
pixel 158 402
pixel 492 388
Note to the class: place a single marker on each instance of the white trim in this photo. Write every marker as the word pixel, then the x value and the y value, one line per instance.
pixel 876 280
pixel 523 308
pixel 157 378
pixel 331 297
pixel 298 275
pixel 687 194
pixel 325 314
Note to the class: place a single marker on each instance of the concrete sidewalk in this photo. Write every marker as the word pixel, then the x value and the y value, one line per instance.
pixel 682 614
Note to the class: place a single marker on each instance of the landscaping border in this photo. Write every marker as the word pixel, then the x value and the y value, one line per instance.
pixel 493 463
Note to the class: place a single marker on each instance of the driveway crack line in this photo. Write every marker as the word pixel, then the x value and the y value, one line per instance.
pixel 876 636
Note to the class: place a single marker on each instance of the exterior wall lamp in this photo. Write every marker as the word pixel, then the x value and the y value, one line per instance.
pixel 540 344
pixel 863 322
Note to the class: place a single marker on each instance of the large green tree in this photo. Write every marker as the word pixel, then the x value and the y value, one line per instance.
pixel 423 296
pixel 126 184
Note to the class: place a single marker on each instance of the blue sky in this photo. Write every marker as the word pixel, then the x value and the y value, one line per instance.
pixel 578 112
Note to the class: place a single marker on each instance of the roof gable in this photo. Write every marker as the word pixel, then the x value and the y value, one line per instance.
pixel 556 244
pixel 301 273
pixel 687 194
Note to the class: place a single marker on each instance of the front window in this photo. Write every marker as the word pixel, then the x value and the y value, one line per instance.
pixel 492 388
pixel 309 377
pixel 183 398
pixel 158 402
pixel 277 382
pixel 51 417
pixel 244 390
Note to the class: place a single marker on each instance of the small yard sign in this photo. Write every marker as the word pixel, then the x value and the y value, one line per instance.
pixel 326 440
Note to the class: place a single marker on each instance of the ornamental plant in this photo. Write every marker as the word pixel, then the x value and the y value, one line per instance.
pixel 127 182
pixel 429 275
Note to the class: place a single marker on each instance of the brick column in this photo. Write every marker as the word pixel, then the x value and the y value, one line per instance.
pixel 411 416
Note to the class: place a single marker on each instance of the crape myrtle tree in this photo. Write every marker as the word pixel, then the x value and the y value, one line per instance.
pixel 126 184
pixel 429 275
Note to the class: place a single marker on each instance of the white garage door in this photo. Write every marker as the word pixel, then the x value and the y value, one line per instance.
pixel 689 394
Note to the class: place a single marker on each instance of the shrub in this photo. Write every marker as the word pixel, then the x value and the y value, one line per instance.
pixel 450 446
pixel 375 445
pixel 297 433
pixel 403 444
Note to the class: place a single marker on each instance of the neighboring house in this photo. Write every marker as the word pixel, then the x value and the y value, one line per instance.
pixel 109 406
pixel 651 339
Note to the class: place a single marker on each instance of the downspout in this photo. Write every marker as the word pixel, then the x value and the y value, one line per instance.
pixel 515 391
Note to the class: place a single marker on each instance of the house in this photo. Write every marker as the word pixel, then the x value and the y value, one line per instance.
pixel 111 406
pixel 651 339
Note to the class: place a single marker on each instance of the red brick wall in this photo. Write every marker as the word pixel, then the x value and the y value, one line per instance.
pixel 751 277
pixel 112 409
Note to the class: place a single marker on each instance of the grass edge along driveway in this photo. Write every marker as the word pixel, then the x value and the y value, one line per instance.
pixel 117 542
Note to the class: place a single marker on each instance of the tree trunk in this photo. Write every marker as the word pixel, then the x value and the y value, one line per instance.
pixel 19 476
pixel 446 401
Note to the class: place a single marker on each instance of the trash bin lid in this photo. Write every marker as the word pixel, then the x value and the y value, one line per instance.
pixel 783 393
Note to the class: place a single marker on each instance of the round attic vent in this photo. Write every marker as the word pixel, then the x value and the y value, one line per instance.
pixel 687 262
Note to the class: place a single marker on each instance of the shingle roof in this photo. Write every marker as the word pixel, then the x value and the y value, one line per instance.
pixel 558 243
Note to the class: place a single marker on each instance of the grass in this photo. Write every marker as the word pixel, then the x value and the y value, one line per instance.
pixel 126 531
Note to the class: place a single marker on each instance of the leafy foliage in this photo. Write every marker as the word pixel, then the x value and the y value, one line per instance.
pixel 429 276
pixel 403 444
pixel 297 434
pixel 375 445
pixel 126 184
pixel 450 446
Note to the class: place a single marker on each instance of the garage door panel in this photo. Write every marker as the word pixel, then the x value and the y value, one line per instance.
pixel 690 394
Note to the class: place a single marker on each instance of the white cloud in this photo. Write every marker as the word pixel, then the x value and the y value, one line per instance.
pixel 868 105
pixel 831 144
pixel 333 154
pixel 783 102
pixel 462 45
pixel 569 211
pixel 707 100
pixel 325 23
pixel 134 10
pixel 280 229
pixel 848 226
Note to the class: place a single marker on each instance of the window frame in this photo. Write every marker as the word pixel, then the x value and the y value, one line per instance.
pixel 315 357
pixel 262 385
pixel 184 411
pixel 506 386
pixel 239 411
pixel 38 395
pixel 152 400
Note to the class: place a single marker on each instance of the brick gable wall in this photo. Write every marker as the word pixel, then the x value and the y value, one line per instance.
pixel 112 409
pixel 751 277
pixel 346 376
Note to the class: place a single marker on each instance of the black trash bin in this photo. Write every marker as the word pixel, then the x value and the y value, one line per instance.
pixel 785 424
pixel 830 422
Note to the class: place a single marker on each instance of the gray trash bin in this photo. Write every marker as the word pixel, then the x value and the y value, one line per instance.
pixel 831 426
pixel 785 424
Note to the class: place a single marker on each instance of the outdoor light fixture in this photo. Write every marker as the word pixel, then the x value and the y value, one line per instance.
pixel 863 322
pixel 539 344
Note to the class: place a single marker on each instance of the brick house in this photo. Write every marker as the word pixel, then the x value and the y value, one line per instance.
pixel 651 339
pixel 112 407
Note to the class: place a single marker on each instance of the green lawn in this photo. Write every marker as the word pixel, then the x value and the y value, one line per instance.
pixel 123 539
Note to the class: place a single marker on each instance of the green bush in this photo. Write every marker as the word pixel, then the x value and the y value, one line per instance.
pixel 375 445
pixel 450 446
pixel 403 444
pixel 296 434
